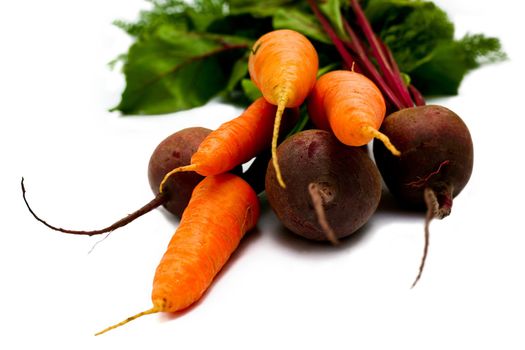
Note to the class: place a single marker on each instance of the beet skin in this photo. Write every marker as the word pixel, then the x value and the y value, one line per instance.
pixel 175 151
pixel 436 153
pixel 346 178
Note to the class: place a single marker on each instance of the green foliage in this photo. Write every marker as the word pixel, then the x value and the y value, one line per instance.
pixel 301 22
pixel 186 53
pixel 171 70
pixel 421 38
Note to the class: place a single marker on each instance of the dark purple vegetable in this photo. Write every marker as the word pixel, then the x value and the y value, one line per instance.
pixel 332 190
pixel 173 152
pixel 435 164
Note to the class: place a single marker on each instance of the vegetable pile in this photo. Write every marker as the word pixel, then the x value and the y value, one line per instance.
pixel 319 82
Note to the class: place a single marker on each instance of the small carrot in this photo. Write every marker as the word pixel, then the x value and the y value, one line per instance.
pixel 283 64
pixel 234 142
pixel 221 210
pixel 351 106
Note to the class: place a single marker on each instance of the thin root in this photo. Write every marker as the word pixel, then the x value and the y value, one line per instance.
pixel 317 201
pixel 153 310
pixel 432 209
pixel 278 116
pixel 190 167
pixel 383 138
pixel 154 203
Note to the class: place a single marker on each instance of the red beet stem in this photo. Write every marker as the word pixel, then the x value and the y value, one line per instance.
pixel 159 200
pixel 369 66
pixel 381 56
pixel 339 45
pixel 390 81
pixel 417 96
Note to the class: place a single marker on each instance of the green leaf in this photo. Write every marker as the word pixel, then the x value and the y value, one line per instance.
pixel 412 29
pixel 328 68
pixel 479 49
pixel 250 89
pixel 239 71
pixel 301 22
pixel 443 70
pixel 257 8
pixel 171 70
pixel 442 73
pixel 332 10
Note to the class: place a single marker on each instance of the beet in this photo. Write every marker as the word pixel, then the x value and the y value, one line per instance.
pixel 436 153
pixel 435 164
pixel 173 152
pixel 343 179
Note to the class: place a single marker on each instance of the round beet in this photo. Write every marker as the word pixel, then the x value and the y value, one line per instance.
pixel 330 186
pixel 435 164
pixel 173 152
pixel 436 153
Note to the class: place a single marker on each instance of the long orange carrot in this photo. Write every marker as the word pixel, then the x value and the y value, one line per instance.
pixel 234 142
pixel 221 210
pixel 351 106
pixel 283 64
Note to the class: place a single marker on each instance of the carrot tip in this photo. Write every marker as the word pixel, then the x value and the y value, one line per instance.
pixel 190 167
pixel 153 310
pixel 278 116
pixel 383 138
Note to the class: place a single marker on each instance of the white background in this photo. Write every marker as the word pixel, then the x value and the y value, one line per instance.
pixel 84 167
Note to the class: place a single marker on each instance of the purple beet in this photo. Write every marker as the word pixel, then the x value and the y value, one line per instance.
pixel 435 163
pixel 331 190
pixel 173 152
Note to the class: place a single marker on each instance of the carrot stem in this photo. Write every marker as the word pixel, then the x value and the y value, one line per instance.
pixel 382 137
pixel 190 167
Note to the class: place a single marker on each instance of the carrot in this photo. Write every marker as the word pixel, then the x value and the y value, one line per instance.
pixel 221 210
pixel 233 143
pixel 283 64
pixel 351 106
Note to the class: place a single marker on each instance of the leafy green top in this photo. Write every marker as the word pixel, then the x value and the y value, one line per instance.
pixel 185 54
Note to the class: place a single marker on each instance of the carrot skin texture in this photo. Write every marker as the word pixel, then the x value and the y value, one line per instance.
pixel 237 140
pixel 284 61
pixel 345 102
pixel 283 64
pixel 222 209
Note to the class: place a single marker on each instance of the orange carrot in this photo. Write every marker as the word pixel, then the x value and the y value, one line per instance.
pixel 283 64
pixel 351 106
pixel 221 210
pixel 234 142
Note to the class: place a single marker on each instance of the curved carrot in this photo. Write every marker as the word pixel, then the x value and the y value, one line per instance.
pixel 351 106
pixel 234 142
pixel 283 64
pixel 221 210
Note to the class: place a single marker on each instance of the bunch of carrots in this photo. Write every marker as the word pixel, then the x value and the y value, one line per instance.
pixel 350 103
